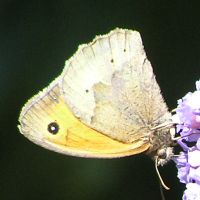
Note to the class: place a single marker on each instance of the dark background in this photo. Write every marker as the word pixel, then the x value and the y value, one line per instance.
pixel 36 37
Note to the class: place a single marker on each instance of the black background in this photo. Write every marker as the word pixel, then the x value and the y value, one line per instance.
pixel 36 37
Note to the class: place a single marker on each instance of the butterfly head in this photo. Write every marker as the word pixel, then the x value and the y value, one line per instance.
pixel 161 149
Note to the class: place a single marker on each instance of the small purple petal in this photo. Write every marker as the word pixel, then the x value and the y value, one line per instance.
pixel 183 167
pixel 194 158
pixel 188 110
pixel 194 175
pixel 182 159
pixel 193 100
pixel 183 174
pixel 193 136
pixel 192 192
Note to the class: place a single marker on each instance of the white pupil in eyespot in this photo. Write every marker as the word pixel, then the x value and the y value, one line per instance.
pixel 53 128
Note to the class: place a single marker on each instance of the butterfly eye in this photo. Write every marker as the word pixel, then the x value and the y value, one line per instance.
pixel 53 128
pixel 162 154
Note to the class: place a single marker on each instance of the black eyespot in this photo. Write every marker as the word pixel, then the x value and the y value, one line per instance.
pixel 87 91
pixel 53 128
pixel 112 61
pixel 124 50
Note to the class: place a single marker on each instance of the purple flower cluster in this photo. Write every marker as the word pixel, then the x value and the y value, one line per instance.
pixel 188 162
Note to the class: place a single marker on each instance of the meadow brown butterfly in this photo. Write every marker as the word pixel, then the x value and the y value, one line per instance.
pixel 105 104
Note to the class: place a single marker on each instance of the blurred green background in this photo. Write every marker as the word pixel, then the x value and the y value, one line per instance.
pixel 36 37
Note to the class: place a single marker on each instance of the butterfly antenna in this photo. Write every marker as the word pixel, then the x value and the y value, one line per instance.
pixel 159 176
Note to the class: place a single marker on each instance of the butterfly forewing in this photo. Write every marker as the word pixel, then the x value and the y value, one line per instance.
pixel 109 84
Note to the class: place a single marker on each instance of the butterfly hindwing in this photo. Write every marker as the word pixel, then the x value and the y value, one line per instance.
pixel 47 121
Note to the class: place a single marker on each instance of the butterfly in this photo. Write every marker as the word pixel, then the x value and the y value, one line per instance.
pixel 105 104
